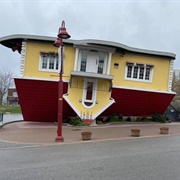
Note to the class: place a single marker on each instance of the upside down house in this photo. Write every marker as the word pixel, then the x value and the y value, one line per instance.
pixel 100 78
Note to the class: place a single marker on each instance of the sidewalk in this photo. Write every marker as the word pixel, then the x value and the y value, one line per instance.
pixel 45 133
pixel 11 118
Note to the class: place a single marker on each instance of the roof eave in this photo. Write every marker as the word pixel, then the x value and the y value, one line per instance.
pixel 9 41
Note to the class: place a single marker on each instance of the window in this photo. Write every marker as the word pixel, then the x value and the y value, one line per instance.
pixel 140 72
pixel 92 61
pixel 83 61
pixel 89 92
pixel 49 61
pixel 15 94
pixel 101 63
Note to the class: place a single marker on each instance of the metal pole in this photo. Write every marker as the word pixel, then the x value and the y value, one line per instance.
pixel 60 97
pixel 62 34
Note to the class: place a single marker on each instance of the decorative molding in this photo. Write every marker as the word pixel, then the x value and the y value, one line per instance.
pixel 170 75
pixel 23 58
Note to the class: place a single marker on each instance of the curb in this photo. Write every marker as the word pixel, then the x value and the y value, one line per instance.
pixel 1 126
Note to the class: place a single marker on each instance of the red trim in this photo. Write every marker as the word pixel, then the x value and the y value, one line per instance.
pixel 87 121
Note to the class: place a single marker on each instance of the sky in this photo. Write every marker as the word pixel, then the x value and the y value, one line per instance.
pixel 144 24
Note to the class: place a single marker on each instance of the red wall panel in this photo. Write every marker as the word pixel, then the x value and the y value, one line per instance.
pixel 138 103
pixel 39 100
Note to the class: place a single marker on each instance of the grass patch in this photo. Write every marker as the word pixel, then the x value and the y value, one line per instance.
pixel 10 109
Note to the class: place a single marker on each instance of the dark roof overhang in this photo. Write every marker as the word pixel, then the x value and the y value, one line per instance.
pixel 14 42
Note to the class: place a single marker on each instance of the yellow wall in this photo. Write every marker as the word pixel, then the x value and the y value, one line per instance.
pixel 160 71
pixel 75 93
pixel 33 50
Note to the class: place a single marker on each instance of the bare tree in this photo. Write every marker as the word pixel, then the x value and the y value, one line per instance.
pixel 6 81
pixel 176 82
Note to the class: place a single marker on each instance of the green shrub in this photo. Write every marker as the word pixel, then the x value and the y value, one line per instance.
pixel 99 122
pixel 158 118
pixel 77 122
pixel 128 119
pixel 145 119
pixel 116 118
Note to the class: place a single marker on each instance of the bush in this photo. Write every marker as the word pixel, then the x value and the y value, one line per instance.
pixel 128 119
pixel 116 118
pixel 159 118
pixel 144 119
pixel 77 122
pixel 99 122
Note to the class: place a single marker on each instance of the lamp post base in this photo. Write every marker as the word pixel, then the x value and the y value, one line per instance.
pixel 59 139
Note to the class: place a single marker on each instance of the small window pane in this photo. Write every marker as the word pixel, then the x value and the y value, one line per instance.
pixel 101 63
pixel 141 74
pixel 51 63
pixel 129 71
pixel 83 61
pixel 44 62
pixel 147 76
pixel 135 73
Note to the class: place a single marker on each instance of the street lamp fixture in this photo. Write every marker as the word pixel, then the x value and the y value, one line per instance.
pixel 62 34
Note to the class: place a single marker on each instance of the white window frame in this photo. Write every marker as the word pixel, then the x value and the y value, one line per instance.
pixel 84 100
pixel 56 58
pixel 134 65
pixel 98 55
pixel 79 66
pixel 105 62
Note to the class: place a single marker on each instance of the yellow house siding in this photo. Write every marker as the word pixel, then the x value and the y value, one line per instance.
pixel 69 58
pixel 75 93
pixel 33 50
pixel 32 63
pixel 160 75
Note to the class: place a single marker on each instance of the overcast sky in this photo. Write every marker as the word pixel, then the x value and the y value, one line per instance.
pixel 146 24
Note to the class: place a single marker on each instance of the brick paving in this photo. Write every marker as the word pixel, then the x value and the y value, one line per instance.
pixel 45 133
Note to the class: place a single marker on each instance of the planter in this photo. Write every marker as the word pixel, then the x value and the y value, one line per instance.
pixel 86 135
pixel 164 130
pixel 135 132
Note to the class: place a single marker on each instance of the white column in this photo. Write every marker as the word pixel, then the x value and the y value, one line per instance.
pixel 109 63
pixel 76 59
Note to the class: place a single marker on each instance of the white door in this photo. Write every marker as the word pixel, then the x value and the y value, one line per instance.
pixel 92 62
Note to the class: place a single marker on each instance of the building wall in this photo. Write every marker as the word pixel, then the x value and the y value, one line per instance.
pixel 12 97
pixel 160 71
pixel 75 94
pixel 33 50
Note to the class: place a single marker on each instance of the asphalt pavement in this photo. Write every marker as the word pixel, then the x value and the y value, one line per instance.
pixel 154 158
